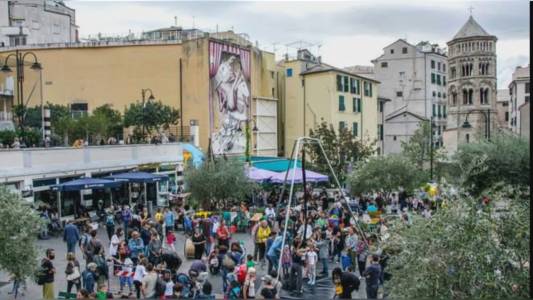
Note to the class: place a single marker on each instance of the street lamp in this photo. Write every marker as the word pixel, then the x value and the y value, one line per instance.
pixel 150 98
pixel 19 66
pixel 254 129
pixel 486 114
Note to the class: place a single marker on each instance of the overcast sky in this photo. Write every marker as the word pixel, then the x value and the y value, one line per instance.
pixel 343 33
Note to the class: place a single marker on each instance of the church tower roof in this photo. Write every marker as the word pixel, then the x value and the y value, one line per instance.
pixel 470 29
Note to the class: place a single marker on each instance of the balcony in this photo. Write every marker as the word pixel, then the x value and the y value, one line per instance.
pixel 6 116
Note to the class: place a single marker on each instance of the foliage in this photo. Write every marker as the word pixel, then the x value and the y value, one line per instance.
pixel 464 251
pixel 154 115
pixel 418 149
pixel 342 149
pixel 504 159
pixel 20 227
pixel 107 122
pixel 7 137
pixel 218 184
pixel 385 173
pixel 31 136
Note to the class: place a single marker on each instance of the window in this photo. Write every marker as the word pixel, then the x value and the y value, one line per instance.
pixel 444 80
pixel 380 132
pixel 438 66
pixel 355 129
pixel 341 103
pixel 506 116
pixel 79 109
pixel 380 104
pixel 339 83
pixel 439 114
pixel 394 138
pixel 527 99
pixel 467 136
pixel 432 78
pixel 399 94
pixel 356 104
pixel 342 125
pixel 368 88
pixel 434 110
pixel 444 95
pixel 346 86
pixel 404 50
pixel 454 99
pixel 438 94
pixel 434 94
pixel 289 72
pixel 402 75
pixel 357 87
pixel 526 90
pixel 432 64
pixel 443 67
pixel 352 85
pixel 484 96
pixel 17 40
pixel 453 72
pixel 438 79
pixel 391 51
pixel 444 113
pixel 468 96
pixel 384 64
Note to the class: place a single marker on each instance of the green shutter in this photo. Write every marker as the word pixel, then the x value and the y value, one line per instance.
pixel 358 92
pixel 434 111
pixel 355 129
pixel 354 103
pixel 370 89
pixel 341 103
pixel 341 126
pixel 438 111
pixel 359 107
pixel 346 84
pixel 444 111
pixel 432 78
pixel 339 83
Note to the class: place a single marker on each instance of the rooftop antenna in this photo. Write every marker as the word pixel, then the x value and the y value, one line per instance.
pixel 176 21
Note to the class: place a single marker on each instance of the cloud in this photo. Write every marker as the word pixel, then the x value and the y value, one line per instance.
pixel 349 32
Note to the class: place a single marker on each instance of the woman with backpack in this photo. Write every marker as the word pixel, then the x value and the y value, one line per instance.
pixel 110 224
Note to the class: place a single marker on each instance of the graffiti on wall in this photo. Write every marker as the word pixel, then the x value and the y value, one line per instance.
pixel 229 95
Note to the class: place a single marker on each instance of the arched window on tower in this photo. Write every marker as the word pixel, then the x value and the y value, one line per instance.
pixel 452 72
pixel 487 68
pixel 454 98
pixel 465 97
pixel 484 96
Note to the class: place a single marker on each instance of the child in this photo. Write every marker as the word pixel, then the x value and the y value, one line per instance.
pixel 250 261
pixel 311 259
pixel 286 260
pixel 214 261
pixel 171 238
pixel 126 265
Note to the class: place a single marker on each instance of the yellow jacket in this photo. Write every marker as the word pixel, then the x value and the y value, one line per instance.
pixel 158 217
pixel 262 234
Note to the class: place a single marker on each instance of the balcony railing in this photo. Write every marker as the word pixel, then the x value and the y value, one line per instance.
pixel 6 116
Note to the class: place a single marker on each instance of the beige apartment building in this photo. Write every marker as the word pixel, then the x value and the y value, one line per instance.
pixel 194 76
pixel 313 91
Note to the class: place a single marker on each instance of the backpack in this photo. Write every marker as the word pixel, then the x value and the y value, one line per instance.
pixel 110 220
pixel 186 282
pixel 160 287
pixel 241 273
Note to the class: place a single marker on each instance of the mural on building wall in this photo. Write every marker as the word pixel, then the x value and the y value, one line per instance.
pixel 229 96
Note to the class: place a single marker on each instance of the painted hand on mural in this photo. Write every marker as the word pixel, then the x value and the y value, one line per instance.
pixel 232 90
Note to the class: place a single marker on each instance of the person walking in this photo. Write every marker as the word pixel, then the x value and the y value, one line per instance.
pixel 89 277
pixel 263 232
pixel 71 236
pixel 149 282
pixel 199 240
pixel 49 271
pixel 93 247
pixel 126 219
pixel 296 272
pixel 115 241
pixel 169 219
pixel 311 259
pixel 323 245
pixel 110 224
pixel 73 273
pixel 372 275
pixel 140 272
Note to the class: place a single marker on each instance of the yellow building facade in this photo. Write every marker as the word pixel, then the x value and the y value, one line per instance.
pixel 314 92
pixel 114 73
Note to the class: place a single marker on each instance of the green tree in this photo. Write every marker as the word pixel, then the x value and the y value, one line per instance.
pixel 342 149
pixel 154 116
pixel 20 226
pixel 106 122
pixel 465 251
pixel 503 159
pixel 218 184
pixel 385 173
pixel 418 149
pixel 7 137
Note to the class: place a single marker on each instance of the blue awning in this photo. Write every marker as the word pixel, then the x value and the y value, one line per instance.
pixel 138 177
pixel 275 164
pixel 86 184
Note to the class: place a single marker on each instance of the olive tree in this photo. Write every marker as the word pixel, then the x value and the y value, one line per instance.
pixel 20 226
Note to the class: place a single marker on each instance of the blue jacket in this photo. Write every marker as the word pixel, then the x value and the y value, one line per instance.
pixel 89 279
pixel 136 246
pixel 71 234
pixel 169 219
pixel 275 248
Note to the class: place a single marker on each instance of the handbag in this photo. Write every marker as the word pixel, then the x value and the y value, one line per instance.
pixel 74 275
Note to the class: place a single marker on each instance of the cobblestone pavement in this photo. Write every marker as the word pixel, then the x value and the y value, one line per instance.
pixel 33 291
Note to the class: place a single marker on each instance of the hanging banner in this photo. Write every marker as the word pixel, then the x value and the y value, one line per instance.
pixel 229 96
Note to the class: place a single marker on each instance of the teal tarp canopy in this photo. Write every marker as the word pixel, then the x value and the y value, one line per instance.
pixel 275 164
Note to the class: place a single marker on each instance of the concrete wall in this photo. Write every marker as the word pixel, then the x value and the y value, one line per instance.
pixel 397 130
pixel 115 75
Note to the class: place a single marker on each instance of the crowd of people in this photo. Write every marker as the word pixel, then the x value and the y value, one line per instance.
pixel 323 240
